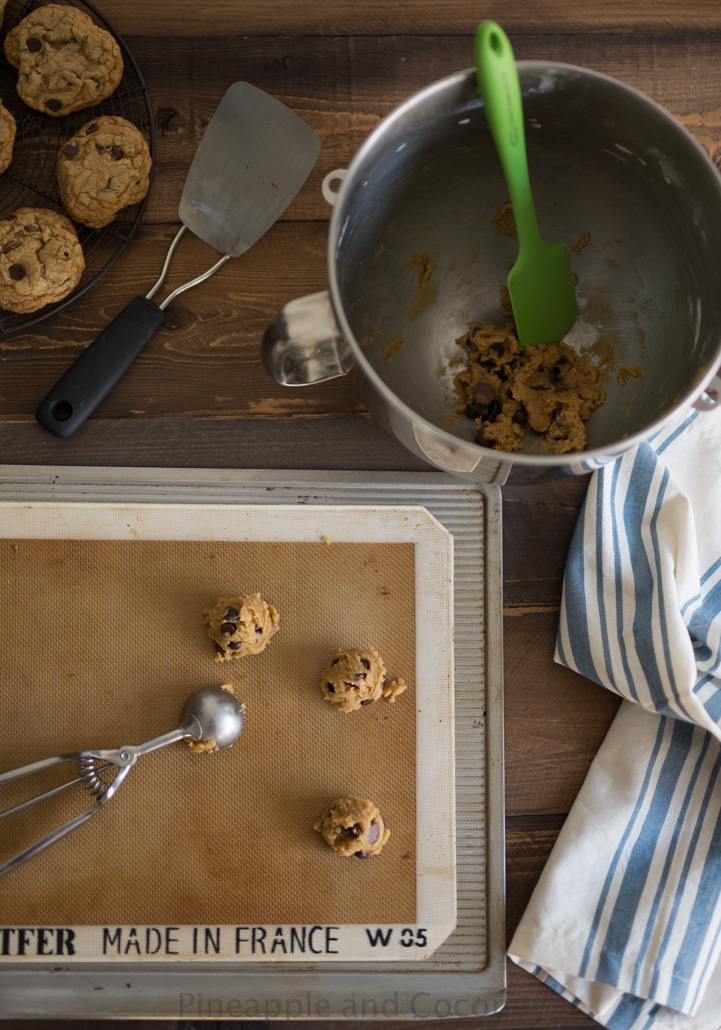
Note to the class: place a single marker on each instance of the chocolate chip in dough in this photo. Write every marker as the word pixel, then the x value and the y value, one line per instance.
pixel 330 688
pixel 232 613
pixel 361 854
pixel 116 152
pixel 374 832
pixel 16 272
pixel 219 648
pixel 475 411
pixel 365 663
pixel 498 348
pixel 356 829
pixel 520 416
pixel 368 701
pixel 31 228
pixel 227 628
pixel 483 393
pixel 53 105
pixel 72 150
pixel 11 246
pixel 92 128
pixel 234 645
pixel 34 44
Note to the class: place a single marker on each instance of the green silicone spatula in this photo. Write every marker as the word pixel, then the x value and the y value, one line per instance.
pixel 540 284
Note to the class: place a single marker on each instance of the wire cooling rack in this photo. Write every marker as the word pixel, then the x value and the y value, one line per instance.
pixel 30 180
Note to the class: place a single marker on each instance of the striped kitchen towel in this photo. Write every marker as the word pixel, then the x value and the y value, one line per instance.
pixel 625 921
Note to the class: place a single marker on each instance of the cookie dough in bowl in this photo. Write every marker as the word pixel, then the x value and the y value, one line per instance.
pixel 240 626
pixel 354 827
pixel 508 391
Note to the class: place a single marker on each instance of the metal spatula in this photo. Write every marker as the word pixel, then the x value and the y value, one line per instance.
pixel 540 283
pixel 254 157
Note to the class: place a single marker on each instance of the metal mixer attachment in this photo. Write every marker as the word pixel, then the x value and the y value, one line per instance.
pixel 210 715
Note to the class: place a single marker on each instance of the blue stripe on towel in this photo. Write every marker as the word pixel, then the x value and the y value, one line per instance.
pixel 691 846
pixel 663 878
pixel 619 851
pixel 600 594
pixel 626 1013
pixel 644 471
pixel 709 572
pixel 575 602
pixel 704 908
pixel 619 589
pixel 713 704
pixel 677 432
pixel 638 863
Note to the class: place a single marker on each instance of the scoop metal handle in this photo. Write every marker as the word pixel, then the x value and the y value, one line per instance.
pixel 210 714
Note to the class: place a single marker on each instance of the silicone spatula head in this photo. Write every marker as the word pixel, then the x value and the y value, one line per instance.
pixel 540 284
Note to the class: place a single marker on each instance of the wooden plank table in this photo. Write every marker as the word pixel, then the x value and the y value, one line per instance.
pixel 198 396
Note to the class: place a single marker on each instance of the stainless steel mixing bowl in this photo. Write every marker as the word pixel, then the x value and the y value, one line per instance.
pixel 605 160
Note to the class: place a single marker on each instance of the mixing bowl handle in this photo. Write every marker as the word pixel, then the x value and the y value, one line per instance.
pixel 711 396
pixel 305 345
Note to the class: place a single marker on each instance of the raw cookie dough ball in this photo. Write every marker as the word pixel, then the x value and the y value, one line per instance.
pixel 353 826
pixel 353 678
pixel 240 625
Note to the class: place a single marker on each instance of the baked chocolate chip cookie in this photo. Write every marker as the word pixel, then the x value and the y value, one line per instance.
pixel 7 136
pixel 65 61
pixel 103 168
pixel 41 260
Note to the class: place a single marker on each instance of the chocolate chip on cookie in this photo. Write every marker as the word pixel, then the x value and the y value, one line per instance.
pixel 41 260
pixel 103 168
pixel 65 61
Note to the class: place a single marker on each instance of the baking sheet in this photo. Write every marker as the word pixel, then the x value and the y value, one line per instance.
pixel 111 603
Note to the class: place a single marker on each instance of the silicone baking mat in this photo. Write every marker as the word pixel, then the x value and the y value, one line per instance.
pixel 102 641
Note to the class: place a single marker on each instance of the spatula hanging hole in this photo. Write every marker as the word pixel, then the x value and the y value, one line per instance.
pixel 61 411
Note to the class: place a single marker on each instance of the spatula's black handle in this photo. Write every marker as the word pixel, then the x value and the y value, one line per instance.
pixel 91 377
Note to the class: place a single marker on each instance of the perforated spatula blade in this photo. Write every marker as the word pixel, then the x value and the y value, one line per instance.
pixel 540 284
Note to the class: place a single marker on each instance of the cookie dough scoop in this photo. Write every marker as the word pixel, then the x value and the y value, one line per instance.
pixel 211 714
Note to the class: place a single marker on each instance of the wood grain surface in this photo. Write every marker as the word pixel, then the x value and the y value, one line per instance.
pixel 198 395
